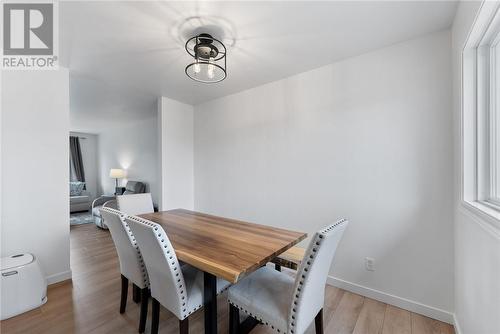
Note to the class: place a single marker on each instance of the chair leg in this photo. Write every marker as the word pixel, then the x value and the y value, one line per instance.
pixel 144 309
pixel 155 321
pixel 123 299
pixel 234 319
pixel 136 294
pixel 184 326
pixel 318 322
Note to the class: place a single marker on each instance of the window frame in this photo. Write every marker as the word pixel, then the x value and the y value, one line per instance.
pixel 495 120
pixel 480 115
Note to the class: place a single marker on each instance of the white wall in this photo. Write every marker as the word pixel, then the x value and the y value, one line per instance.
pixel 368 138
pixel 35 194
pixel 175 124
pixel 131 146
pixel 477 247
pixel 88 145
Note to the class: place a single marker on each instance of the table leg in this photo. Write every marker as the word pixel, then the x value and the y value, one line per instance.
pixel 210 303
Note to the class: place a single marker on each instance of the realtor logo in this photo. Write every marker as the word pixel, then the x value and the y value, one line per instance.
pixel 29 36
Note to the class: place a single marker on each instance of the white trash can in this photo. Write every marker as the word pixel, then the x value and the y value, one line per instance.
pixel 23 285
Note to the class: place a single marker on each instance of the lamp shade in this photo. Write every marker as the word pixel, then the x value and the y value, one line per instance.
pixel 117 173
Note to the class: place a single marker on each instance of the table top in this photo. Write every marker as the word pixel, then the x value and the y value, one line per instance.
pixel 226 248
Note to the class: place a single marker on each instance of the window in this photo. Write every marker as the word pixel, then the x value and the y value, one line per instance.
pixel 481 114
pixel 495 136
pixel 488 116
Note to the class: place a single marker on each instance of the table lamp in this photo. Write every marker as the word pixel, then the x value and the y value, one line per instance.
pixel 116 174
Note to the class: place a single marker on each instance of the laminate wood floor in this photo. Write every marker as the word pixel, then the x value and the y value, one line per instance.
pixel 90 302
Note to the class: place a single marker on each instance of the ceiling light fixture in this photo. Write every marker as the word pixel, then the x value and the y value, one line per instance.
pixel 209 55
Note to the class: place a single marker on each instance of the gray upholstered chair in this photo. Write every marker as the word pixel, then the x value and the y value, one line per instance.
pixel 104 201
pixel 281 302
pixel 131 264
pixel 178 288
pixel 132 187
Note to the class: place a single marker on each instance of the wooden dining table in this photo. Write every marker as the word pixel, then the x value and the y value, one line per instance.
pixel 221 247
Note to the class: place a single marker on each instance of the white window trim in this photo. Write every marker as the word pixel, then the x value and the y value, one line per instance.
pixel 477 174
pixel 495 105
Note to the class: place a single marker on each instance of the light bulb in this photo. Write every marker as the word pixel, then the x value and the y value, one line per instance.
pixel 210 69
pixel 196 68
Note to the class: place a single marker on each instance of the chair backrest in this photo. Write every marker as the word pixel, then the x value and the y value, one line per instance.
pixel 129 255
pixel 135 204
pixel 309 293
pixel 165 274
pixel 134 187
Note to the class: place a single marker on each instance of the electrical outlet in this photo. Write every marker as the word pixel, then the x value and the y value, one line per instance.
pixel 369 263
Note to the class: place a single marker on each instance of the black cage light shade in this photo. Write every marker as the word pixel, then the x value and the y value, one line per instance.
pixel 209 55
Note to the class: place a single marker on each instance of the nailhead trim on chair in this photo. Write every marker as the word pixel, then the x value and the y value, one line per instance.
pixel 169 255
pixel 122 216
pixel 302 273
pixel 305 268
pixel 256 317
pixel 173 263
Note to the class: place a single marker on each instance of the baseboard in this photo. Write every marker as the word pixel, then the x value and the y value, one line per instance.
pixel 59 277
pixel 400 302
pixel 456 325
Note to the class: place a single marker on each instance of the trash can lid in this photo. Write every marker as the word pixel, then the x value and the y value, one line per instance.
pixel 17 260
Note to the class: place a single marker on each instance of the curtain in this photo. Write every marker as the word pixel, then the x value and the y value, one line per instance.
pixel 72 176
pixel 76 158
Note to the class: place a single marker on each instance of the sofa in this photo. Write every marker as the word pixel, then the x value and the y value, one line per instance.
pixel 79 199
pixel 79 202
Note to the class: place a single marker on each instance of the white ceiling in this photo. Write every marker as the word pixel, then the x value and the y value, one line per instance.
pixel 137 48
pixel 96 106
